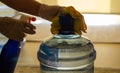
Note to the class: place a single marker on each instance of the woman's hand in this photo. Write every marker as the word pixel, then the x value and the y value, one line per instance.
pixel 15 29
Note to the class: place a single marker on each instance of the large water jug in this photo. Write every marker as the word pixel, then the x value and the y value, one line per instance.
pixel 66 52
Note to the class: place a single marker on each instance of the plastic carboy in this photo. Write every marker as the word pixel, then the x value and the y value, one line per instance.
pixel 66 52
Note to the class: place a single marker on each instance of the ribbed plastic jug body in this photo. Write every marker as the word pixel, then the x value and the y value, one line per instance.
pixel 67 54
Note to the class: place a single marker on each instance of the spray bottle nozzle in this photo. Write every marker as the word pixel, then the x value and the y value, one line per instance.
pixel 31 19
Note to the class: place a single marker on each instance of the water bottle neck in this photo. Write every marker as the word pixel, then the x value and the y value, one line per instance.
pixel 66 24
pixel 70 36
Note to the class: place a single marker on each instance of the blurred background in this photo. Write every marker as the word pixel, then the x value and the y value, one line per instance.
pixel 103 21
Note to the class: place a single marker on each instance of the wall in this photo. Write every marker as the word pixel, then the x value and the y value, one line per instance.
pixel 107 55
pixel 91 6
pixel 88 5
pixel 115 6
pixel 50 2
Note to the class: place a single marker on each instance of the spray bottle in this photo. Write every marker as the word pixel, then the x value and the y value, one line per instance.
pixel 10 54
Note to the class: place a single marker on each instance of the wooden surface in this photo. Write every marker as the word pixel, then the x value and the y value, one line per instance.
pixel 36 69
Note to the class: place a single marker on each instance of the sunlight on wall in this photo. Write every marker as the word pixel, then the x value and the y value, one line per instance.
pixel 102 19
pixel 88 5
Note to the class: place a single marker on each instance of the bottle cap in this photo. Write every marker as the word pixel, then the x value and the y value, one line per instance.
pixel 66 24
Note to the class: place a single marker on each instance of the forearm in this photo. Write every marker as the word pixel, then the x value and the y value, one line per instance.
pixel 3 22
pixel 33 7
pixel 49 12
pixel 0 24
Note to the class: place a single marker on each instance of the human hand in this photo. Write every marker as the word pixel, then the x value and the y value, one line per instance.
pixel 15 29
pixel 79 22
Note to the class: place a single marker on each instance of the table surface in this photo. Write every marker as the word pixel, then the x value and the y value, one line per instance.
pixel 36 69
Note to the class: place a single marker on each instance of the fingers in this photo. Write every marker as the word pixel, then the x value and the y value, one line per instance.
pixel 29 31
pixel 18 36
pixel 22 29
pixel 18 32
pixel 29 28
pixel 15 29
pixel 29 25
